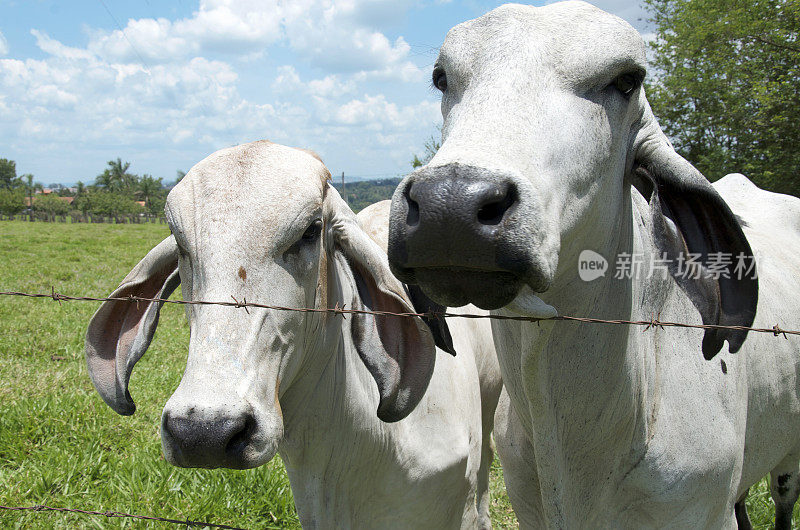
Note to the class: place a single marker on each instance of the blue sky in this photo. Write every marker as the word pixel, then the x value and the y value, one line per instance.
pixel 163 84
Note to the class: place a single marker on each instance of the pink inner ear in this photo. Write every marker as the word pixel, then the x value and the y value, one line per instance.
pixel 132 315
pixel 119 334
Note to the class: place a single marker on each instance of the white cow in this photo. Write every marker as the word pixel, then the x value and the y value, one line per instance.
pixel 261 222
pixel 550 149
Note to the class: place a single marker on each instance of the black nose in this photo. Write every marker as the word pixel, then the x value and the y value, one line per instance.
pixel 209 440
pixel 477 202
pixel 456 218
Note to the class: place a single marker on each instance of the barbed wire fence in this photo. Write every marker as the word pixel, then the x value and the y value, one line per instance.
pixel 654 323
pixel 40 508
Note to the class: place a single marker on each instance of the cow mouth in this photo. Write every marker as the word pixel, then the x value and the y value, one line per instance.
pixel 459 286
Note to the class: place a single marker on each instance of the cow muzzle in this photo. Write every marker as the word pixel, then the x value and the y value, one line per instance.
pixel 228 433
pixel 456 231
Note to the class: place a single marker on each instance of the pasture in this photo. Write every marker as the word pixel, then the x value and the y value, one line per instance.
pixel 61 446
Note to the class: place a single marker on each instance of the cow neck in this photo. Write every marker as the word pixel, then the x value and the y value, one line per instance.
pixel 583 385
pixel 331 428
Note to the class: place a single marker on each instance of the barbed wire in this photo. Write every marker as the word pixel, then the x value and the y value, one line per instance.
pixel 653 323
pixel 187 522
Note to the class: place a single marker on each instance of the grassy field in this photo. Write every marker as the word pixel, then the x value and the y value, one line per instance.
pixel 60 445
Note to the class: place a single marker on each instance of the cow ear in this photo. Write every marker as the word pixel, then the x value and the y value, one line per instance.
pixel 690 219
pixel 399 352
pixel 120 331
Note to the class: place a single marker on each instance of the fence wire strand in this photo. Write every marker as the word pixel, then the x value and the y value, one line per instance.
pixel 653 323
pixel 187 522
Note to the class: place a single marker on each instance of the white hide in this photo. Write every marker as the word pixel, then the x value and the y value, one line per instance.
pixel 613 427
pixel 242 222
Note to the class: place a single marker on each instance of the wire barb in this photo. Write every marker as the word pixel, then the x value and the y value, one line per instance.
pixel 242 304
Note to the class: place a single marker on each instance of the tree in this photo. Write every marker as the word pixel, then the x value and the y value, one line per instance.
pixel 12 201
pixel 8 173
pixel 147 188
pixel 431 147
pixel 28 179
pixel 116 177
pixel 727 86
pixel 50 204
pixel 180 175
pixel 101 202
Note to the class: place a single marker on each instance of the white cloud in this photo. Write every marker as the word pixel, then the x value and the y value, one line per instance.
pixel 175 90
pixel 330 87
pixel 3 45
pixel 336 36
pixel 57 49
pixel 287 80
pixel 376 112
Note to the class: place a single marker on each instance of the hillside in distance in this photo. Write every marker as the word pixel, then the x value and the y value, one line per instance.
pixel 361 194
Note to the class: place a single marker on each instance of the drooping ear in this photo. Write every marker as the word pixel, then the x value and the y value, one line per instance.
pixel 120 332
pixel 691 218
pixel 399 352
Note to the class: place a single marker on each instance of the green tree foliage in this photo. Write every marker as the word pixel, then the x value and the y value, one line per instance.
pixel 12 201
pixel 101 202
pixel 50 204
pixel 727 86
pixel 362 194
pixel 8 173
pixel 431 147
pixel 147 188
pixel 122 188
pixel 116 177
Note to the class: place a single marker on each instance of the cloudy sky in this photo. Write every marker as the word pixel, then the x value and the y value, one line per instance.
pixel 164 83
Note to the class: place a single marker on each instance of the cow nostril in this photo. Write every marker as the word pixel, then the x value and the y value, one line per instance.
pixel 239 439
pixel 492 213
pixel 412 218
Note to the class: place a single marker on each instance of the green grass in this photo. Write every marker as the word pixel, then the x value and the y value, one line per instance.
pixel 60 445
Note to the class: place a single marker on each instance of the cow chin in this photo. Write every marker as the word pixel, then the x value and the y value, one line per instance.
pixel 456 287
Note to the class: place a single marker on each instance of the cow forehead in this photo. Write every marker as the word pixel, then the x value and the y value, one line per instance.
pixel 252 191
pixel 572 38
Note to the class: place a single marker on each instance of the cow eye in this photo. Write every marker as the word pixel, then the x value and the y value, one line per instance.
pixel 439 79
pixel 313 231
pixel 627 83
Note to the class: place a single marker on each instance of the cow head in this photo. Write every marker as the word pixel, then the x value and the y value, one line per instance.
pixel 546 127
pixel 261 223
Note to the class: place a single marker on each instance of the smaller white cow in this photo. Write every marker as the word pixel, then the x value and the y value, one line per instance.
pixel 261 222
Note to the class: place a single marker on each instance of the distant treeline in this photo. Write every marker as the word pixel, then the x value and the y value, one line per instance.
pixel 117 195
pixel 361 194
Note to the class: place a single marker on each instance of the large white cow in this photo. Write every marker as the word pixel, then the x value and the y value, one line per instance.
pixel 261 222
pixel 550 149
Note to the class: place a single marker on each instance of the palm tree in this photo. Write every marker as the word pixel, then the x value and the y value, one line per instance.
pixel 116 177
pixel 119 170
pixel 147 187
pixel 105 180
